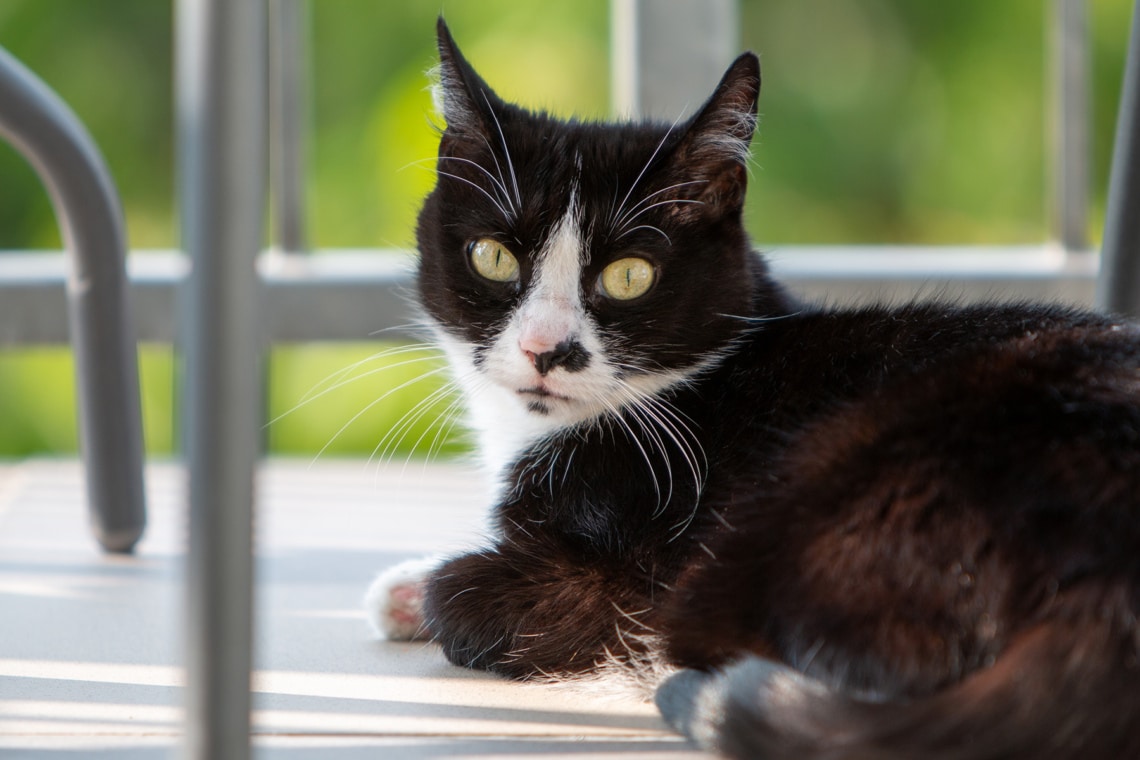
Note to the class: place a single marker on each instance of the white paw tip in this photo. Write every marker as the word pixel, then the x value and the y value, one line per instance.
pixel 394 601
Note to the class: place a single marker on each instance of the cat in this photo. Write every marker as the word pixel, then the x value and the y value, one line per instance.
pixel 873 532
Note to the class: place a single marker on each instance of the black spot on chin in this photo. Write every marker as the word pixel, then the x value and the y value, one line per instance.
pixel 538 408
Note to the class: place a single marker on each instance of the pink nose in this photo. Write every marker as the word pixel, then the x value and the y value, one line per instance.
pixel 532 343
pixel 546 333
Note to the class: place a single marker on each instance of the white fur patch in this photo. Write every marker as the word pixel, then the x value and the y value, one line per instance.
pixel 731 140
pixel 552 311
pixel 394 601
pixel 561 259
pixel 434 76
pixel 495 412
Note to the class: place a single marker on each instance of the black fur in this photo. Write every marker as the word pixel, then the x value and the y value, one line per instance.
pixel 882 532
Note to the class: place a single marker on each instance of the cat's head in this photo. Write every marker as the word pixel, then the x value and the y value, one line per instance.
pixel 572 268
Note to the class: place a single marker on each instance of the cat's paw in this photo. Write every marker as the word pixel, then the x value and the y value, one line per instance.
pixel 394 602
pixel 688 699
pixel 753 708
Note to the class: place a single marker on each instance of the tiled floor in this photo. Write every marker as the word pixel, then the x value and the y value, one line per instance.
pixel 89 644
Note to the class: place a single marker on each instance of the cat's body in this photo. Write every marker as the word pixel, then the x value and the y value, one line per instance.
pixel 879 532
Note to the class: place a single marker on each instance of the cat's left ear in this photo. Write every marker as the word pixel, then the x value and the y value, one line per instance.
pixel 714 151
pixel 461 96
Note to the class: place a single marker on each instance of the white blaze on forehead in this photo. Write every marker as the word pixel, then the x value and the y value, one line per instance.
pixel 552 311
pixel 560 261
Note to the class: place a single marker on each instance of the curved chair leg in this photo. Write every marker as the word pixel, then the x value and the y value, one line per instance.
pixel 41 127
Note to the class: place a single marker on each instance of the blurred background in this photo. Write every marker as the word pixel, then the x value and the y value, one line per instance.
pixel 882 121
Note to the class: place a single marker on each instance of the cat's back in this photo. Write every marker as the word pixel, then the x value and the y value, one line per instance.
pixel 1020 421
pixel 1026 386
pixel 934 467
pixel 788 370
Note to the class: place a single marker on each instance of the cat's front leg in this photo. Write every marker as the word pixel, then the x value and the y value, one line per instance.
pixel 534 613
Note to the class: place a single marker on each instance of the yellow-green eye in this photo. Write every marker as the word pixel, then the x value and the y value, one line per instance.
pixel 626 279
pixel 493 261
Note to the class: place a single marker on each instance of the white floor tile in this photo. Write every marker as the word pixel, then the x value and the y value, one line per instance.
pixel 90 655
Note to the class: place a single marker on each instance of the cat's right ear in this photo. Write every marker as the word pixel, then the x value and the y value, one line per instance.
pixel 461 96
pixel 714 151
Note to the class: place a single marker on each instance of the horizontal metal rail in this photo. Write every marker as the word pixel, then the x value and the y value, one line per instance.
pixel 360 294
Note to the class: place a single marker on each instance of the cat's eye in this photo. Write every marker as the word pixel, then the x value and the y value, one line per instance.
pixel 491 260
pixel 626 279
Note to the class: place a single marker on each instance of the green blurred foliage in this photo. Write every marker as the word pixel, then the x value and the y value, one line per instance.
pixel 110 61
pixel 881 121
pixel 887 121
pixel 37 400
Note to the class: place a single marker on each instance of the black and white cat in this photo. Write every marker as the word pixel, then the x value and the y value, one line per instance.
pixel 868 533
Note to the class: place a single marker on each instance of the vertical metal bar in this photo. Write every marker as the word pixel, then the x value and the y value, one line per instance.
pixel 288 120
pixel 1118 285
pixel 624 85
pixel 48 134
pixel 669 54
pixel 222 54
pixel 1070 83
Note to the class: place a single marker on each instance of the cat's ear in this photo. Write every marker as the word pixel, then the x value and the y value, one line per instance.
pixel 461 96
pixel 714 151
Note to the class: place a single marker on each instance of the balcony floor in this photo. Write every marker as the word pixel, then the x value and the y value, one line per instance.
pixel 90 655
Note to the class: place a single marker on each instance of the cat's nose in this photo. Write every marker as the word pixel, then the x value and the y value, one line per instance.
pixel 568 354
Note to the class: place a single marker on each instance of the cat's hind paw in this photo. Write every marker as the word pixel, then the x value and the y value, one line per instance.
pixel 753 708
pixel 394 602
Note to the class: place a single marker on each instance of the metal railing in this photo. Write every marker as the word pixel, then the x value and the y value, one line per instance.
pixel 349 295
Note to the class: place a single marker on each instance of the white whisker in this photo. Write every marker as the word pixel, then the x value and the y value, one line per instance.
pixel 506 151
pixel 506 214
pixel 645 168
pixel 373 403
pixel 497 182
pixel 636 210
pixel 450 415
pixel 389 443
pixel 499 172
pixel 432 401
pixel 615 415
pixel 382 354
pixel 645 422
pixel 650 227
pixel 662 423
pixel 310 396
pixel 760 320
